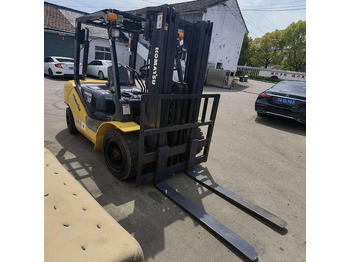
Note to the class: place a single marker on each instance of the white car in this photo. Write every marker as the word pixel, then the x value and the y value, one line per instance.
pixel 99 68
pixel 59 66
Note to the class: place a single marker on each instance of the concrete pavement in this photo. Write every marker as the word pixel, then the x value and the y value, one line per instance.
pixel 262 159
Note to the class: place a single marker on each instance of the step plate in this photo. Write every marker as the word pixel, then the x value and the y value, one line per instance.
pixel 214 225
pixel 237 200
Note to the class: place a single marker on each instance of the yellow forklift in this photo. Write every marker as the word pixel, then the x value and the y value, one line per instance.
pixel 150 129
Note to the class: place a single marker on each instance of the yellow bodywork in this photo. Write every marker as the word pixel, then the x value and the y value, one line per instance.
pixel 72 99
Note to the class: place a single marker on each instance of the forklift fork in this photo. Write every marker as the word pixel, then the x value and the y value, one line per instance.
pixel 159 167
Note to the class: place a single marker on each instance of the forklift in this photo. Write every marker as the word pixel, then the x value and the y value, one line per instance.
pixel 150 129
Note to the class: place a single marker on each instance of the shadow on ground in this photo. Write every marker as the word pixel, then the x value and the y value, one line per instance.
pixel 59 78
pixel 142 210
pixel 236 88
pixel 283 124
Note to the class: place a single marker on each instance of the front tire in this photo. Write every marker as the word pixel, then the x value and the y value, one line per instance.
pixel 121 152
pixel 101 76
pixel 70 122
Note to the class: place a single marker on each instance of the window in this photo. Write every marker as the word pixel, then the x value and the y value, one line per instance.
pixel 103 53
pixel 95 62
pixel 63 60
pixel 48 59
pixel 218 65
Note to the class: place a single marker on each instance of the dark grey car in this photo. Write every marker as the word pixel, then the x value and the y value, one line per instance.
pixel 286 99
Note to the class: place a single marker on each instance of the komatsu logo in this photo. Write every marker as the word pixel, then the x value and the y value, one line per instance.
pixel 76 102
pixel 155 65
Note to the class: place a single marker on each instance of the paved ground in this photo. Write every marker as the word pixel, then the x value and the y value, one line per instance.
pixel 262 159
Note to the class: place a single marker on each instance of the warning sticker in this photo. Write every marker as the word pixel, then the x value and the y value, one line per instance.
pixel 80 124
pixel 159 20
pixel 126 109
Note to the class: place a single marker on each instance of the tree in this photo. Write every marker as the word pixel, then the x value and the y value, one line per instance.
pixel 294 38
pixel 266 50
pixel 244 58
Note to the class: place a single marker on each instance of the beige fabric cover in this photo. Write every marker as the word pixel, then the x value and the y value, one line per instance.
pixel 77 228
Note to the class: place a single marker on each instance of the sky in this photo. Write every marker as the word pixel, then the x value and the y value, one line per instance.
pixel 261 16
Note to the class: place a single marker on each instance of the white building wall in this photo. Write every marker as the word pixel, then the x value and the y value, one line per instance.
pixel 122 50
pixel 227 36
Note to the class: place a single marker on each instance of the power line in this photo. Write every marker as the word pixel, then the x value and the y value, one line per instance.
pixel 273 10
pixel 238 19
pixel 255 27
pixel 259 21
pixel 269 20
pixel 273 5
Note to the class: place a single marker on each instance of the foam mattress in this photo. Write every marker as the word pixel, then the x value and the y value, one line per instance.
pixel 76 227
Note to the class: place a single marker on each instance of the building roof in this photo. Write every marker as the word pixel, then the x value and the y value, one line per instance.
pixel 196 6
pixel 61 18
pixel 55 20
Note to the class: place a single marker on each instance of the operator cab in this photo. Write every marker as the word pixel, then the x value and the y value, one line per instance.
pixel 119 98
pixel 99 97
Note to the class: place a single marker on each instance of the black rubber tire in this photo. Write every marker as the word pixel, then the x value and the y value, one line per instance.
pixel 101 76
pixel 70 122
pixel 261 114
pixel 121 153
pixel 50 73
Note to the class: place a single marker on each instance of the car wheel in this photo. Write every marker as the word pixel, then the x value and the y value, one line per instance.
pixel 50 73
pixel 70 122
pixel 101 75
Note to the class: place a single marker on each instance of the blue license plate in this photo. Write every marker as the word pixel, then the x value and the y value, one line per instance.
pixel 71 68
pixel 285 101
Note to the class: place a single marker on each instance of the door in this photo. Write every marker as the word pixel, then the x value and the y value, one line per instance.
pixel 91 68
pixel 97 68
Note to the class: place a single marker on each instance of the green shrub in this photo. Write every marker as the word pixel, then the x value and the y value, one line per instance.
pixel 265 78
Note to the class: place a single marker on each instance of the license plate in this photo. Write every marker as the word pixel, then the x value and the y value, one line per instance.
pixel 71 68
pixel 285 101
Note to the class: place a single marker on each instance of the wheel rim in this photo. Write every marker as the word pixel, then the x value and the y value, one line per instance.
pixel 100 75
pixel 115 157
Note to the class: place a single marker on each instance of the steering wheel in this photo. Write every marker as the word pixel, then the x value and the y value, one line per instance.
pixel 144 70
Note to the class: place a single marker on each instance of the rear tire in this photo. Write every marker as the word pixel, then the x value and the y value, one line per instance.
pixel 50 73
pixel 101 76
pixel 70 122
pixel 121 152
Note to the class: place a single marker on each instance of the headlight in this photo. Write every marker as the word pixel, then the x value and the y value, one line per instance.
pixel 115 33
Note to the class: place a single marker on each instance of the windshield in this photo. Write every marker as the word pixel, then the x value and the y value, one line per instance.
pixel 290 87
pixel 65 60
